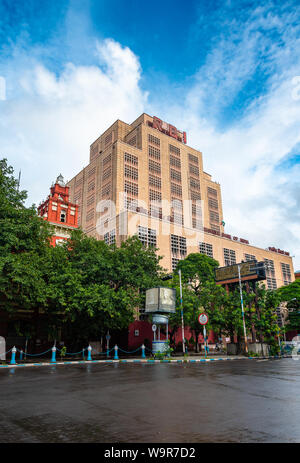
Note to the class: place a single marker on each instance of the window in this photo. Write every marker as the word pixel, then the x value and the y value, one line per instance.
pixel 229 257
pixel 91 186
pixel 110 237
pixel 155 181
pixel 90 200
pixel 195 196
pixel 212 192
pixel 92 172
pixel 131 188
pixel 194 170
pixel 106 160
pixel 271 283
pixel 131 159
pixel 153 152
pixel 131 172
pixel 154 195
pixel 270 269
pixel 213 204
pixel 174 149
pixel 194 184
pixel 154 167
pixel 178 245
pixel 108 139
pixel 207 249
pixel 90 216
pixel 214 216
pixel 175 161
pixel 153 139
pixel 106 174
pixel 147 236
pixel 175 175
pixel 286 273
pixel 63 217
pixel 176 189
pixel 193 159
pixel 249 257
pixel 175 261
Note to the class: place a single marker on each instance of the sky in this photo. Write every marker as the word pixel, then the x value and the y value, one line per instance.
pixel 226 72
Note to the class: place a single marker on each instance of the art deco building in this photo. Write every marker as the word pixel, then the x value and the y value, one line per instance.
pixel 142 178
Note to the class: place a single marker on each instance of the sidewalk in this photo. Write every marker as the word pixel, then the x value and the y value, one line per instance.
pixel 195 359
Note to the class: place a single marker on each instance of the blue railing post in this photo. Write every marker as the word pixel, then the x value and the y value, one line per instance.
pixel 89 357
pixel 53 359
pixel 116 353
pixel 107 353
pixel 83 353
pixel 143 352
pixel 21 355
pixel 13 356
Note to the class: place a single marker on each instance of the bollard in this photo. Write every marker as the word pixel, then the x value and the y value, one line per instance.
pixel 143 352
pixel 13 356
pixel 53 359
pixel 89 357
pixel 21 355
pixel 116 353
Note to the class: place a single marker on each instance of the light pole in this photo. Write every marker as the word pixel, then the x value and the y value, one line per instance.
pixel 242 304
pixel 182 322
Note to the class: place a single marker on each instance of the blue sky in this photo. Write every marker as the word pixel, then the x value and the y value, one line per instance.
pixel 224 71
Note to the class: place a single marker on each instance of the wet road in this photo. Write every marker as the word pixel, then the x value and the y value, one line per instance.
pixel 238 401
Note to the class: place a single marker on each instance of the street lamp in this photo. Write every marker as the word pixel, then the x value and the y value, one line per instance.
pixel 242 304
pixel 182 322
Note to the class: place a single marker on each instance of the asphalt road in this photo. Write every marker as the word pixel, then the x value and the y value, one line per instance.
pixel 238 401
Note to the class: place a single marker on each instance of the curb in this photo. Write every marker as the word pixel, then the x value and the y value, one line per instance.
pixel 146 361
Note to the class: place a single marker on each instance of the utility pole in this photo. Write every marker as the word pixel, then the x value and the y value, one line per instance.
pixel 242 304
pixel 182 322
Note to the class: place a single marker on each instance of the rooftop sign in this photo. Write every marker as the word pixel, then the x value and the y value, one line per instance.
pixel 169 129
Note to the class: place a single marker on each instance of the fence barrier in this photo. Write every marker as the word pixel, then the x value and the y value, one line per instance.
pixel 89 350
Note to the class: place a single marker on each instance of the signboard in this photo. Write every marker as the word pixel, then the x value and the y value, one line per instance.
pixel 251 270
pixel 160 300
pixel 169 129
pixel 203 319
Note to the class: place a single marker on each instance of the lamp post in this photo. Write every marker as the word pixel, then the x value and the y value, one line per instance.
pixel 242 304
pixel 181 304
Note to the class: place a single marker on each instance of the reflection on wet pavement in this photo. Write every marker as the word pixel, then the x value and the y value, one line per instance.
pixel 241 401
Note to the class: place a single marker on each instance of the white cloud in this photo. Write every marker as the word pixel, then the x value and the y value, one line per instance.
pixel 261 199
pixel 48 127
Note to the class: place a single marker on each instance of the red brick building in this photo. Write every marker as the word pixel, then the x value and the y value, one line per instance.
pixel 59 211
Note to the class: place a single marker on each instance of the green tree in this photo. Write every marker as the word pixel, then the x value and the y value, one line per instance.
pixel 24 247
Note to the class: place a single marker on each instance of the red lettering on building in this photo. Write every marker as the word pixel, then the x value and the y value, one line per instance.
pixel 173 131
pixel 168 129
pixel 157 123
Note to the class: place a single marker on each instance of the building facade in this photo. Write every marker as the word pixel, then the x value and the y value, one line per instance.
pixel 59 211
pixel 143 179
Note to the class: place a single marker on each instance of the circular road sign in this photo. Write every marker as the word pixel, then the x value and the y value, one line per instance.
pixel 108 336
pixel 203 319
pixel 154 327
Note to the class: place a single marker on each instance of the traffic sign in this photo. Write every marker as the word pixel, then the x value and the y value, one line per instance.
pixel 107 337
pixel 154 327
pixel 203 319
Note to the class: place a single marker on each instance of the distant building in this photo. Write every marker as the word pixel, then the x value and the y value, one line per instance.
pixel 151 175
pixel 59 211
pixel 297 275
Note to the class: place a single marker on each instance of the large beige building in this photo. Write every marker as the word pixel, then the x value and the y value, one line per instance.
pixel 142 178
